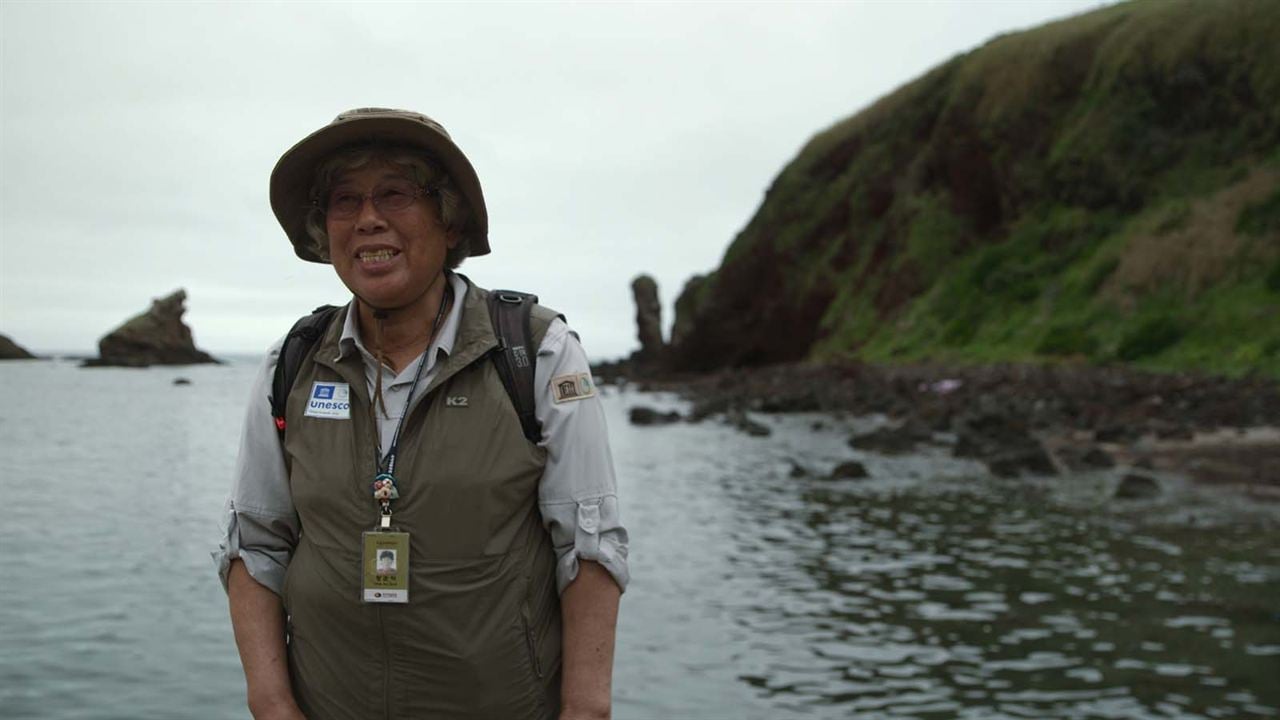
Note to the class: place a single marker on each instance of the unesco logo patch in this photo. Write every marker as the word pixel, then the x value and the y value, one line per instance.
pixel 329 400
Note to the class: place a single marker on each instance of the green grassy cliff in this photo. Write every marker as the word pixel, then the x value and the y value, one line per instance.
pixel 1106 187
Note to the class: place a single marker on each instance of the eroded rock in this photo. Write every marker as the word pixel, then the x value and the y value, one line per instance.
pixel 155 337
pixel 10 350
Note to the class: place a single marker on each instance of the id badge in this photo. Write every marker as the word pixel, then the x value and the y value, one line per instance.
pixel 385 560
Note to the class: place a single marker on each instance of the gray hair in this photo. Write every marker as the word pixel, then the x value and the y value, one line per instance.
pixel 451 206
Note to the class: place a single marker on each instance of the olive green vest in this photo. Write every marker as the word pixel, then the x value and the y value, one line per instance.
pixel 480 636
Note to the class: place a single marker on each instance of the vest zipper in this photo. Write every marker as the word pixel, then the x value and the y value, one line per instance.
pixel 386 668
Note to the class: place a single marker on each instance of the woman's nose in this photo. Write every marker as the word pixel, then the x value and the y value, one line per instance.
pixel 369 217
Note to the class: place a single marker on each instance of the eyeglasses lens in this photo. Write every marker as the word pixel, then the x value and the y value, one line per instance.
pixel 390 197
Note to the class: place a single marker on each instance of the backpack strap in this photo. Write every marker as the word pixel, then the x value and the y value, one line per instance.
pixel 515 358
pixel 296 347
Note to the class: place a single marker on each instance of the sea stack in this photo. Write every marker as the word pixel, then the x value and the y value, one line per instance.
pixel 155 337
pixel 10 350
pixel 652 355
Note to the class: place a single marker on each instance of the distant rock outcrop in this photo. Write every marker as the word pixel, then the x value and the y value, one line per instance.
pixel 156 337
pixel 653 349
pixel 10 350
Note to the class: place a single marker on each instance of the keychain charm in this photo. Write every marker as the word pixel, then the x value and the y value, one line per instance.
pixel 384 488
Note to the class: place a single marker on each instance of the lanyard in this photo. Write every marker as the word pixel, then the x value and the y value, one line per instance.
pixel 384 481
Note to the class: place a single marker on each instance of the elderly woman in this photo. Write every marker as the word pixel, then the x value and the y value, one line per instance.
pixel 398 544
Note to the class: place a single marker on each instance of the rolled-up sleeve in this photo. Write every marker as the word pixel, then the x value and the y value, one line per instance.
pixel 578 495
pixel 260 525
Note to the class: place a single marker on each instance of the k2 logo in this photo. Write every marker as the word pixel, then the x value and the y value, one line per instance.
pixel 455 401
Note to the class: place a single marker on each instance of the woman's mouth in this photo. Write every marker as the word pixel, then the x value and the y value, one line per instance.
pixel 377 256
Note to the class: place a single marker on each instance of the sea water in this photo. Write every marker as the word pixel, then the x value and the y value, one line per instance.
pixel 929 590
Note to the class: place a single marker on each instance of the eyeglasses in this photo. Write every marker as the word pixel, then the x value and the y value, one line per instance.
pixel 390 197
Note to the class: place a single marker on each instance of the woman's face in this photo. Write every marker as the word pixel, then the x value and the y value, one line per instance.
pixel 387 258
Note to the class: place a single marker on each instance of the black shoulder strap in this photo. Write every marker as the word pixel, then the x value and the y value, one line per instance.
pixel 297 345
pixel 514 359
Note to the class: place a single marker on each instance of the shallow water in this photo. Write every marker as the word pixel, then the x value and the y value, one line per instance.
pixel 927 591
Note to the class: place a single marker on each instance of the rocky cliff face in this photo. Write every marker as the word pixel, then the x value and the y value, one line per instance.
pixel 155 337
pixel 10 350
pixel 1104 187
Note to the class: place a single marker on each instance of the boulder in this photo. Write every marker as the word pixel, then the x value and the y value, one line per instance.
pixel 10 350
pixel 1003 443
pixel 1013 462
pixel 1136 487
pixel 851 470
pixel 155 337
pixel 641 415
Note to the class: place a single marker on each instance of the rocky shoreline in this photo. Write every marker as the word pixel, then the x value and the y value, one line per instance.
pixel 1042 420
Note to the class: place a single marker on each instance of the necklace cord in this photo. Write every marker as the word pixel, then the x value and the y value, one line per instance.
pixel 388 464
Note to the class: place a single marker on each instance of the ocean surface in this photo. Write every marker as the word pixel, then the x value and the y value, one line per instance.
pixel 928 591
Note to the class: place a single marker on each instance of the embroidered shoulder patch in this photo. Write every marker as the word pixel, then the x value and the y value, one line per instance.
pixel 567 388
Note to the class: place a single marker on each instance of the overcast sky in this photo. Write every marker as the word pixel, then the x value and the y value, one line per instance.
pixel 136 140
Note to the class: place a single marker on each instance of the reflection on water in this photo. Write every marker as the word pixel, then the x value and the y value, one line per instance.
pixel 922 595
pixel 922 592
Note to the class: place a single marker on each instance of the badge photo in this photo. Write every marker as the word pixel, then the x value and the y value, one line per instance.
pixel 385 567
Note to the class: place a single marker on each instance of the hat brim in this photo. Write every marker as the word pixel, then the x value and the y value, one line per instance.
pixel 295 172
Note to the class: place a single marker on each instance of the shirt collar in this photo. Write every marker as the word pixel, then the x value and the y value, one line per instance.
pixel 350 341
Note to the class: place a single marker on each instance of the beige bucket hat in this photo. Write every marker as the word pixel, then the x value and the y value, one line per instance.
pixel 295 171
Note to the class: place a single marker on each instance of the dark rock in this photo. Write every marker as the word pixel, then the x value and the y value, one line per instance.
pixel 10 350
pixel 797 470
pixel 1118 433
pixel 892 440
pixel 849 470
pixel 648 321
pixel 739 419
pixel 1087 458
pixel 1003 443
pixel 1096 458
pixel 641 415
pixel 181 381
pixel 156 337
pixel 1030 458
pixel 1134 486
pixel 790 403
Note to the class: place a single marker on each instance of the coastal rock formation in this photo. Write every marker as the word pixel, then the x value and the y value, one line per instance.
pixel 648 321
pixel 1028 199
pixel 155 337
pixel 10 350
